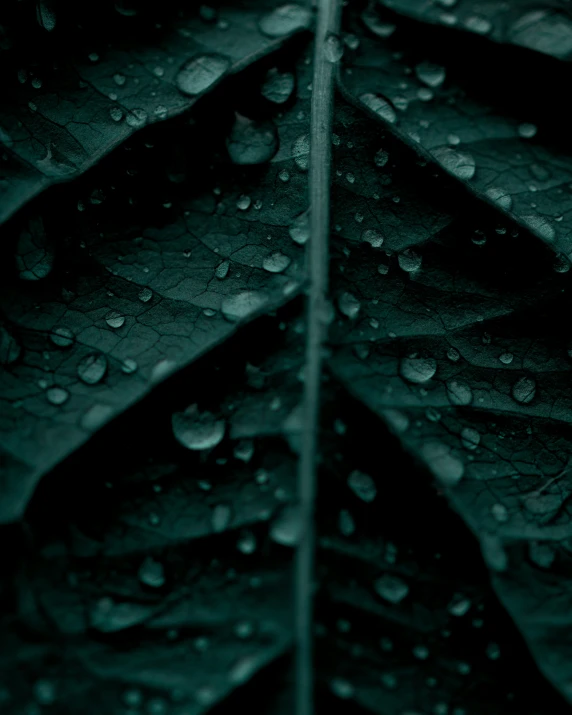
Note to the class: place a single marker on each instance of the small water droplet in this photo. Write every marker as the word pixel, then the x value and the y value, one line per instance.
pixel 301 152
pixel 62 337
pixel 446 467
pixel 373 237
pixel 459 606
pixel 251 142
pixel 349 305
pixel 221 517
pixel 129 366
pixel 246 544
pixel 278 86
pixel 284 176
pixel 458 163
pixel 500 513
pixel 276 262
pixel 57 395
pixel 199 73
pixel 286 528
pixel 346 523
pixel 300 228
pixel 391 588
pixel 114 320
pixel 116 113
pixel 418 370
pixel 477 23
pixel 241 305
pixel 506 358
pixel 430 74
pixel 380 106
pixel 221 271
pixel 243 202
pixel 409 261
pixel 381 158
pixel 92 368
pixel 459 392
pixel 152 573
pixel 342 688
pixel 45 691
pixel 136 118
pixel 524 390
pixel 453 354
pixel 470 438
pixel 527 130
pixel 333 48
pixel 362 485
pixel 197 431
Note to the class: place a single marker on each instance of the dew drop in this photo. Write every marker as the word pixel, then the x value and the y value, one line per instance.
pixel 286 528
pixel 114 320
pixel 221 517
pixel 333 48
pixel 459 392
pixel 62 337
pixel 116 113
pixel 198 74
pixel 278 86
pixel 527 130
pixel 447 468
pixel 342 688
pixel 241 305
pixel 380 106
pixel 243 202
pixel 349 305
pixel 430 74
pixel 373 22
pixel 221 271
pixel 459 164
pixel 362 485
pixel 506 358
pixel 129 366
pixel 251 142
pixel 524 390
pixel 57 395
pixel 478 24
pixel 197 431
pixel 285 20
pixel 470 438
pixel 381 158
pixel 418 369
pixel 136 118
pixel 346 523
pixel 300 228
pixel 391 588
pixel 92 368
pixel 152 573
pixel 145 295
pixel 500 513
pixel 45 15
pixel 373 237
pixel 409 261
pixel 276 262
pixel 301 152
pixel 45 692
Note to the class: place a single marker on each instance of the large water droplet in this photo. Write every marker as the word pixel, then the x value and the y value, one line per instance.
pixel 92 368
pixel 524 390
pixel 333 48
pixel 241 305
pixel 446 467
pixel 391 588
pixel 285 20
pixel 197 431
pixel 200 73
pixel 459 392
pixel 362 485
pixel 252 142
pixel 278 86
pixel 286 528
pixel 430 74
pixel 460 164
pixel 540 226
pixel 300 228
pixel 276 262
pixel 152 573
pixel 349 305
pixel 501 197
pixel 380 106
pixel 418 369
pixel 301 152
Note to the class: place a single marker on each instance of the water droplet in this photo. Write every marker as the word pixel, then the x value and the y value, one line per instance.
pixel 391 588
pixel 494 552
pixel 276 262
pixel 540 226
pixel 500 197
pixel 197 431
pixel 506 358
pixel 333 48
pixel 45 14
pixel 381 158
pixel 459 606
pixel 108 616
pixel 62 336
pixel 527 130
pixel 152 573
pixel 114 320
pixel 133 698
pixel 136 118
pixel 362 485
pixel 278 86
pixel 286 528
pixel 57 395
pixel 301 152
pixel 542 555
pixel 241 305
pixel 561 263
pixel 284 176
pixel 342 688
pixel 243 202
pixel 221 517
pixel 447 468
pixel 500 513
pixel 251 141
pixel 10 348
pixel 346 523
pixel 373 237
pixel 409 261
pixel 45 691
pixel 221 271
pixel 198 74
pixel 300 228
pixel 453 354
pixel 524 390
pixel 129 366
pixel 374 23
pixel 285 20
pixel 459 392
pixel 380 106
pixel 116 113
pixel 470 438
pixel 246 544
pixel 418 369
pixel 349 305
pixel 460 164
pixel 478 24
pixel 244 451
pixel 430 74
pixel 92 368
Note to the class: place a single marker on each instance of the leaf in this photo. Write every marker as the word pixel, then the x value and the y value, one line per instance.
pixel 166 268
pixel 544 27
pixel 488 133
pixel 58 121
pixel 473 384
